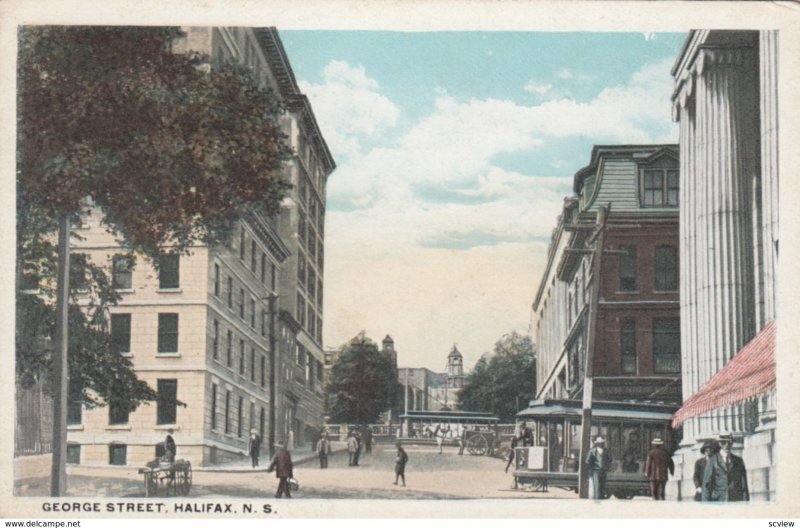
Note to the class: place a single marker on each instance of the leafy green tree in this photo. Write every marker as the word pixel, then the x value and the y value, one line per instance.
pixel 363 383
pixel 170 151
pixel 502 381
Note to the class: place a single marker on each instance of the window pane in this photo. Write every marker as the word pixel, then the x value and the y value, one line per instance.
pixel 213 406
pixel 169 272
pixel 628 346
pixel 241 357
pixel 167 333
pixel 73 454
pixel 167 401
pixel 666 345
pixel 117 413
pixel 118 454
pixel 627 269
pixel 666 272
pixel 229 351
pixel 216 280
pixel 121 272
pixel 121 332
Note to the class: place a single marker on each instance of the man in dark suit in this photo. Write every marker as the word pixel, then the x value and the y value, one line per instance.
pixel 656 466
pixel 599 462
pixel 284 470
pixel 254 446
pixel 525 435
pixel 725 478
pixel 710 448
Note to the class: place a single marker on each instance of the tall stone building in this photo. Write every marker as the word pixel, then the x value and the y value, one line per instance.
pixel 725 100
pixel 231 337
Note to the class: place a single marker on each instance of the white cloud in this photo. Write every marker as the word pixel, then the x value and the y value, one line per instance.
pixel 569 75
pixel 444 244
pixel 349 107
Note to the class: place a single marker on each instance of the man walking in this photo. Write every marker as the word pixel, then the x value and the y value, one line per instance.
pixel 599 462
pixel 400 464
pixel 323 450
pixel 710 447
pixel 725 477
pixel 656 466
pixel 254 446
pixel 511 452
pixel 284 470
pixel 352 446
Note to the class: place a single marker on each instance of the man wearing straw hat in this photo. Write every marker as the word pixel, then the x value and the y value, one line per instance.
pixel 599 462
pixel 284 470
pixel 254 446
pixel 656 466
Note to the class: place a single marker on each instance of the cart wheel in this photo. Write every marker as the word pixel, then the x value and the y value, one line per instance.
pixel 477 445
pixel 185 480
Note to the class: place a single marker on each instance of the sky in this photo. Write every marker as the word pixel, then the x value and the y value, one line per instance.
pixel 454 153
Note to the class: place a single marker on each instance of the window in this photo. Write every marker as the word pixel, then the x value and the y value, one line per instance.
pixel 230 292
pixel 229 351
pixel 263 323
pixel 73 453
pixel 216 280
pixel 213 406
pixel 253 364
pixel 252 312
pixel 121 333
pixel 117 412
pixel 227 412
pixel 239 417
pixel 253 255
pixel 167 333
pixel 241 303
pixel 169 272
pixel 301 270
pixel 241 357
pixel 215 342
pixel 242 244
pixel 660 188
pixel 74 403
pixel 666 277
pixel 319 370
pixel 167 403
pixel 627 268
pixel 263 370
pixel 263 268
pixel 117 454
pixel 301 310
pixel 121 272
pixel 273 277
pixel 627 341
pixel 666 346
pixel 261 416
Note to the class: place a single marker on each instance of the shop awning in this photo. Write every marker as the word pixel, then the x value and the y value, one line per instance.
pixel 750 373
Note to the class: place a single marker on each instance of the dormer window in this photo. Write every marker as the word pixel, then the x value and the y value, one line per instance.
pixel 659 188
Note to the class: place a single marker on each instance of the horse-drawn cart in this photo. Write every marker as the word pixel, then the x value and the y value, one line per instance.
pixel 479 442
pixel 167 478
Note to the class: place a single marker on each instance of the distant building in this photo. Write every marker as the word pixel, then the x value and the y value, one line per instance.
pixel 726 101
pixel 232 333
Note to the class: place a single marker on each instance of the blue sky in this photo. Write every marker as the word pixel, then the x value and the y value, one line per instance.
pixel 455 151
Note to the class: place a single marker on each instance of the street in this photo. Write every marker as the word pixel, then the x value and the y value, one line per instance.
pixel 429 475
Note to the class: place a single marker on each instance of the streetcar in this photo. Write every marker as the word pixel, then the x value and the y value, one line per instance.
pixel 627 427
pixel 476 432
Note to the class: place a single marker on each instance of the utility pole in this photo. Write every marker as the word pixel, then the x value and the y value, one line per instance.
pixel 58 475
pixel 591 339
pixel 272 365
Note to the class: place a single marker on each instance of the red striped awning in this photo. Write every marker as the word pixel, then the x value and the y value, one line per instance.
pixel 750 373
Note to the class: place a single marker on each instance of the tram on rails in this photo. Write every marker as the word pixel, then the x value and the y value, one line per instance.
pixel 628 429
